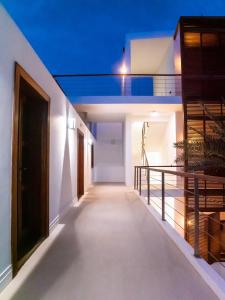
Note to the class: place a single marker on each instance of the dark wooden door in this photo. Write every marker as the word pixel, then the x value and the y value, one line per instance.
pixel 80 164
pixel 30 194
pixel 32 149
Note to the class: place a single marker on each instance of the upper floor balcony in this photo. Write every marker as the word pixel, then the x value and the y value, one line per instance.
pixel 121 88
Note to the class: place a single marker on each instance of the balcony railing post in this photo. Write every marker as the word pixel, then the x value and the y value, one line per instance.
pixel 135 179
pixel 163 196
pixel 139 180
pixel 148 185
pixel 196 212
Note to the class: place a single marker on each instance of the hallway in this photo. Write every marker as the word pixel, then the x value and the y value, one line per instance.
pixel 111 249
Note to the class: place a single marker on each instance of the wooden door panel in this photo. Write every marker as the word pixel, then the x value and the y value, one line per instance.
pixel 30 223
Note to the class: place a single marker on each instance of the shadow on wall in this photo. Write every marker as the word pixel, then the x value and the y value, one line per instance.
pixel 67 193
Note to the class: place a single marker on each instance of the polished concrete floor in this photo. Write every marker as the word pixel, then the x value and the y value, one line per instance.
pixel 111 249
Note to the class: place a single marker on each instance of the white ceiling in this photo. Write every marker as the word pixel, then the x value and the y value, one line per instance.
pixel 117 112
pixel 147 54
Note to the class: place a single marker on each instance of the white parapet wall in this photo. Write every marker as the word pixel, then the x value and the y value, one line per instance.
pixel 214 279
pixel 63 141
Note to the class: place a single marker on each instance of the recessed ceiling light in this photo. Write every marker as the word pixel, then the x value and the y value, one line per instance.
pixel 154 114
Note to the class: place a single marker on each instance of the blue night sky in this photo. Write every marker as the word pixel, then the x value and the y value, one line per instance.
pixel 87 36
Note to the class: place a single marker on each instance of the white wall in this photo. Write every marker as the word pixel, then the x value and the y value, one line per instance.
pixel 160 137
pixel 63 141
pixel 109 155
pixel 128 151
pixel 168 140
pixel 163 135
pixel 132 149
pixel 136 142
pixel 165 86
pixel 167 64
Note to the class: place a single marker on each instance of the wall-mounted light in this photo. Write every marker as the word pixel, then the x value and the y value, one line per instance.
pixel 90 142
pixel 71 123
pixel 123 69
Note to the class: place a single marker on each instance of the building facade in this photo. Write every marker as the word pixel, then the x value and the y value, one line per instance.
pixel 56 149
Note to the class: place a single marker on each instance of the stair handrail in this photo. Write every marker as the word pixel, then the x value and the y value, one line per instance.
pixel 144 154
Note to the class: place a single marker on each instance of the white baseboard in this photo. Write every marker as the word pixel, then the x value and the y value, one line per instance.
pixel 61 215
pixel 53 223
pixel 208 274
pixel 5 277
pixel 75 200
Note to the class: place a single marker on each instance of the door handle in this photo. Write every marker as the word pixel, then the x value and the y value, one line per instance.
pixel 23 169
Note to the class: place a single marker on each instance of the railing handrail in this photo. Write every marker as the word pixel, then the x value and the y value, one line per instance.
pixel 161 166
pixel 113 75
pixel 187 174
pixel 189 76
pixel 197 205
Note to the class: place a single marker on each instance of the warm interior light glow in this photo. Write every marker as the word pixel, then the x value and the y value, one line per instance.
pixel 154 158
pixel 192 39
pixel 138 124
pixel 178 64
pixel 123 69
pixel 189 222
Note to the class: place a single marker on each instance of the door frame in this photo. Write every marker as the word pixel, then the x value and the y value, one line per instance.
pixel 20 73
pixel 79 134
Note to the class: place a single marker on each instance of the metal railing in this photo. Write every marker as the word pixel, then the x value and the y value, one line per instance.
pixel 75 85
pixel 184 209
pixel 196 85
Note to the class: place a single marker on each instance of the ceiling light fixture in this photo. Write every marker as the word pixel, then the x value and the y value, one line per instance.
pixel 154 114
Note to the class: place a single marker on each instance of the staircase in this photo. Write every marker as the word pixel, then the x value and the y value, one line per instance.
pixel 144 158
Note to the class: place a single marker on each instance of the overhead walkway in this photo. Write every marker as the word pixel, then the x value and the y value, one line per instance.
pixel 110 249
